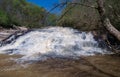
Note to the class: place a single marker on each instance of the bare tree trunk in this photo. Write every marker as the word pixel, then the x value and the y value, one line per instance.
pixel 105 21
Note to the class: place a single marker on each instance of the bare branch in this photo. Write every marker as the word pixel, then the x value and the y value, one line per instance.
pixel 56 6
pixel 66 12
pixel 85 5
pixel 65 3
pixel 71 3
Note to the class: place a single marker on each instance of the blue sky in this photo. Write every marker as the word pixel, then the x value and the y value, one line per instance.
pixel 47 4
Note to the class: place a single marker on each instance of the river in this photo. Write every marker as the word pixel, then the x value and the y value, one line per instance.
pixel 56 52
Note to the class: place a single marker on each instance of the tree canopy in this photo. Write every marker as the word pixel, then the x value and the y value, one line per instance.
pixel 21 13
pixel 87 18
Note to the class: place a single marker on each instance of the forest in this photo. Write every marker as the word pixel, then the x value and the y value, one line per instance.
pixel 23 13
pixel 87 17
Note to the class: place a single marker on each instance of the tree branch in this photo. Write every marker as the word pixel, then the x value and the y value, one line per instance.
pixel 65 3
pixel 66 12
pixel 84 5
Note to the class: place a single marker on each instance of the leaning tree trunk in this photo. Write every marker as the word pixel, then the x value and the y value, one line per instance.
pixel 105 21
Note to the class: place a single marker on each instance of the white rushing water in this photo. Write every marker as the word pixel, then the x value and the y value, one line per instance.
pixel 53 42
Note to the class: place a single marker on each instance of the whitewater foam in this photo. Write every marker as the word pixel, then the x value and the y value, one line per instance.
pixel 53 42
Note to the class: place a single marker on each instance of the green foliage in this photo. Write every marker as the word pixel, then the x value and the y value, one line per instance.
pixel 51 19
pixel 86 18
pixel 80 17
pixel 67 21
pixel 3 18
pixel 113 12
pixel 21 13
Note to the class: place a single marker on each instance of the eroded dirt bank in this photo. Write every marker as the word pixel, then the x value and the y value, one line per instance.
pixel 96 66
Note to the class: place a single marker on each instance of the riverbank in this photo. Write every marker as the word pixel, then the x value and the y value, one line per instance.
pixel 94 66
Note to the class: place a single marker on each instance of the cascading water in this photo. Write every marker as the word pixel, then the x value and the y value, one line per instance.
pixel 53 42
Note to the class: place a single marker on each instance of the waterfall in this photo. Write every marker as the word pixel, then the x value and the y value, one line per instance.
pixel 53 42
